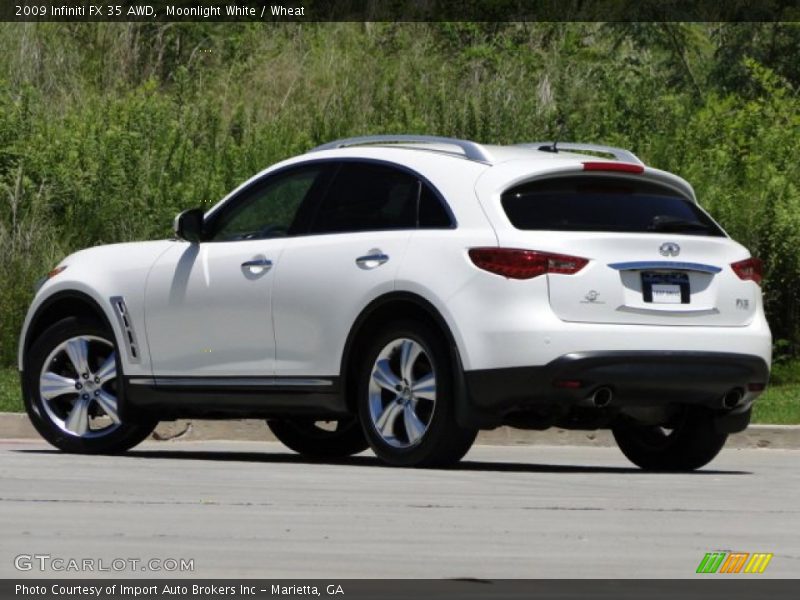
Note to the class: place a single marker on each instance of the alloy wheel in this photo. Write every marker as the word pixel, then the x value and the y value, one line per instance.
pixel 402 393
pixel 78 387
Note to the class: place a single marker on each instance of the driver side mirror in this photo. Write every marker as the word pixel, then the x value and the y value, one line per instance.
pixel 188 225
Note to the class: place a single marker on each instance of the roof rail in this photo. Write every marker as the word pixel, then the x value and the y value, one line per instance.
pixel 618 153
pixel 471 150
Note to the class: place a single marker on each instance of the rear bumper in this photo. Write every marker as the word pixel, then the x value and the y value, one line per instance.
pixel 641 378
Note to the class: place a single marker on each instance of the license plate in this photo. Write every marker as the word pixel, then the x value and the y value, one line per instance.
pixel 664 293
pixel 665 287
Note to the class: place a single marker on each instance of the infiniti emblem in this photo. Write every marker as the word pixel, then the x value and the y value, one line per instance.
pixel 669 249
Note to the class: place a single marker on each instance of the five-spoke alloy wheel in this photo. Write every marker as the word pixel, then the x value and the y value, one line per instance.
pixel 402 393
pixel 406 400
pixel 74 389
pixel 79 397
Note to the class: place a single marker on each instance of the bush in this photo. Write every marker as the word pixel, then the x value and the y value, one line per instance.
pixel 108 130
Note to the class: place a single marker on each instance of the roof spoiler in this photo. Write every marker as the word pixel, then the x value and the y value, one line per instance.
pixel 619 154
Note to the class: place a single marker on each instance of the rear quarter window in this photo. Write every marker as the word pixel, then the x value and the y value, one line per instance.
pixel 604 204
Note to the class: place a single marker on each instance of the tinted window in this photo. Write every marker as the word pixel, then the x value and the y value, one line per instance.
pixel 604 204
pixel 432 215
pixel 364 197
pixel 267 209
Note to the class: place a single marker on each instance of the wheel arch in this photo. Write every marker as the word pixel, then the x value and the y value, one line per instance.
pixel 67 303
pixel 394 306
pixel 389 307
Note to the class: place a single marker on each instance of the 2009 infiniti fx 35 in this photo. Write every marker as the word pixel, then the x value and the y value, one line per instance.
pixel 403 292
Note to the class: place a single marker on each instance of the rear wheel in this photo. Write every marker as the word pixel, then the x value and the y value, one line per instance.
pixel 74 384
pixel 320 439
pixel 690 443
pixel 406 399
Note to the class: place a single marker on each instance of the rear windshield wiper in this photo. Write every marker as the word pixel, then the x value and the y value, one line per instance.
pixel 669 223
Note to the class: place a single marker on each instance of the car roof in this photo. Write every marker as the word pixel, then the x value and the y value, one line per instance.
pixel 487 154
pixel 513 163
pixel 504 166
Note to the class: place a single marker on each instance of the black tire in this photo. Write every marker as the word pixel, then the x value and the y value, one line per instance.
pixel 43 413
pixel 443 442
pixel 306 437
pixel 691 444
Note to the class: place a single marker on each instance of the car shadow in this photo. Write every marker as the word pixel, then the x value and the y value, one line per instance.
pixel 371 461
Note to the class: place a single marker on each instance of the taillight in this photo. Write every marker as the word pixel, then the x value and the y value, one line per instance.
pixel 524 264
pixel 613 166
pixel 750 269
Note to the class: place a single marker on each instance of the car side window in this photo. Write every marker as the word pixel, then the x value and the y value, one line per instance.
pixel 267 209
pixel 368 197
pixel 432 214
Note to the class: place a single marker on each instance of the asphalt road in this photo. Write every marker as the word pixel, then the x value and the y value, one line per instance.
pixel 255 510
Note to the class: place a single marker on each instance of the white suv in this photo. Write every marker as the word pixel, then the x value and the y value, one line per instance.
pixel 403 292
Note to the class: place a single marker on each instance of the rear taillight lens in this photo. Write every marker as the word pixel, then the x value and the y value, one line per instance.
pixel 524 264
pixel 750 269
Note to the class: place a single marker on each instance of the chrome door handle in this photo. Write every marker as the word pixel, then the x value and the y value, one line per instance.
pixel 373 260
pixel 257 263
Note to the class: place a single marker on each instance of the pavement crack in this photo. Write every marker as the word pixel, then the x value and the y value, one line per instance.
pixel 660 510
pixel 136 502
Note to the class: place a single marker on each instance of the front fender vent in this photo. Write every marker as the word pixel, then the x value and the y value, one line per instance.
pixel 126 325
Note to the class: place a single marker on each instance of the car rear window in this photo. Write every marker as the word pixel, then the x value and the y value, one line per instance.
pixel 604 204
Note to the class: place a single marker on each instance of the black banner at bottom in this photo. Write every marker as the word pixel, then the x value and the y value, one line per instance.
pixel 707 588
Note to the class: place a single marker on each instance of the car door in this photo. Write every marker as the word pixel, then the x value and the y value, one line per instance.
pixel 351 255
pixel 208 305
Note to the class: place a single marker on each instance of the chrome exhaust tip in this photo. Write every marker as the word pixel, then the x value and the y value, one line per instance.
pixel 732 398
pixel 602 397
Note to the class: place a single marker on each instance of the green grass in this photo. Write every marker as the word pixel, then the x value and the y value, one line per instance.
pixel 10 400
pixel 779 405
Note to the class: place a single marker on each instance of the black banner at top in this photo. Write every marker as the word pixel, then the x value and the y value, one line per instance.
pixel 398 10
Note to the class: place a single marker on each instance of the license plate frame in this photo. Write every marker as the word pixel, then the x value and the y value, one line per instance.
pixel 665 279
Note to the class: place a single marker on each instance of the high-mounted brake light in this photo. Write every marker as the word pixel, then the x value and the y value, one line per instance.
pixel 613 166
pixel 515 263
pixel 749 269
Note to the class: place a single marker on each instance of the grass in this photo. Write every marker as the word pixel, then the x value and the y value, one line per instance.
pixel 779 405
pixel 10 400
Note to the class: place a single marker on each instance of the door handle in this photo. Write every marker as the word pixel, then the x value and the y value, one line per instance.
pixel 262 264
pixel 375 259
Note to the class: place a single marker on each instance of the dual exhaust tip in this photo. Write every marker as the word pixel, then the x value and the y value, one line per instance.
pixel 732 399
pixel 602 397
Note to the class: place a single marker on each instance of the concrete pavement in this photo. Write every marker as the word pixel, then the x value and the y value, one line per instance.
pixel 18 426
pixel 254 510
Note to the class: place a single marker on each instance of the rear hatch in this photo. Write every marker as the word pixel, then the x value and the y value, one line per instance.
pixel 655 258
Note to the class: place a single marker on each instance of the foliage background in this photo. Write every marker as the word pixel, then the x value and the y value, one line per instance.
pixel 108 130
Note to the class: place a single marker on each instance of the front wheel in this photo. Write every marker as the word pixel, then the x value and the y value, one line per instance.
pixel 691 442
pixel 74 384
pixel 320 439
pixel 406 398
